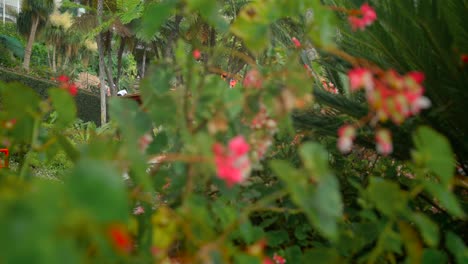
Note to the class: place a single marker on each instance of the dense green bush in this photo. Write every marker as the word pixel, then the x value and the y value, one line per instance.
pixel 88 104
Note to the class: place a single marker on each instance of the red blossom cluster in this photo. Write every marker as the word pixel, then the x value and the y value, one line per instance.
pixel 232 164
pixel 346 136
pixel 66 84
pixel 362 18
pixel 389 94
pixel 296 42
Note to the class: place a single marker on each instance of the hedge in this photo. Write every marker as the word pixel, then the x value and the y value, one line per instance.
pixel 88 104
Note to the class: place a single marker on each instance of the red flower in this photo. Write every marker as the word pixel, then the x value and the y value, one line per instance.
pixel 464 58
pixel 196 54
pixel 73 89
pixel 63 79
pixel 296 42
pixel 120 238
pixel 233 164
pixel 366 18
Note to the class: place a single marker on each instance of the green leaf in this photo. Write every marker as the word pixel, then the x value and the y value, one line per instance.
pixel 445 197
pixel 250 233
pixel 387 196
pixel 429 230
pixel 315 159
pixel 158 81
pixel 154 16
pixel 233 101
pixel 457 247
pixel 321 203
pixel 276 238
pixel 209 10
pixel 322 256
pixel 433 256
pixel 65 106
pixel 252 29
pixel 323 27
pixel 412 243
pixel 434 152
pixel 99 189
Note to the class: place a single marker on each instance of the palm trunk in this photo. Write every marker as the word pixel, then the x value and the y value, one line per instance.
pixel 102 73
pixel 143 63
pixel 32 36
pixel 109 67
pixel 54 62
pixel 119 61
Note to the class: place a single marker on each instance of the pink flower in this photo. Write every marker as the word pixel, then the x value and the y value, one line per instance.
pixel 360 77
pixel 383 139
pixel 196 54
pixel 138 210
pixel 144 141
pixel 296 42
pixel 232 165
pixel 366 18
pixel 346 135
pixel 267 260
pixel 232 83
pixel 253 79
pixel 279 259
pixel 417 76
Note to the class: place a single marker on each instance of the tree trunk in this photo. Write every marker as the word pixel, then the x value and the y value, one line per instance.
pixel 102 73
pixel 28 50
pixel 54 62
pixel 119 61
pixel 110 79
pixel 143 63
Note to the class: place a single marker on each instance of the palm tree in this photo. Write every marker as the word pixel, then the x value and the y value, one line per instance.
pixel 33 15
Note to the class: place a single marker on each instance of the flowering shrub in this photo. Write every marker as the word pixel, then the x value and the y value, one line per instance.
pixel 206 172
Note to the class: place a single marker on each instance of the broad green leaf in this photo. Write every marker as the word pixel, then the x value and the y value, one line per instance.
pixel 322 256
pixel 250 233
pixel 98 188
pixel 158 81
pixel 277 237
pixel 434 152
pixel 323 26
pixel 209 10
pixel 233 101
pixel 315 159
pixel 154 16
pixel 433 256
pixel 321 203
pixel 412 243
pixel 133 122
pixel 252 28
pixel 457 247
pixel 429 230
pixel 387 196
pixel 293 254
pixel 445 197
pixel 164 228
pixel 65 106
pixel 129 10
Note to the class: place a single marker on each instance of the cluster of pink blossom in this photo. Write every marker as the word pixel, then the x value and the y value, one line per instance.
pixel 296 42
pixel 365 16
pixel 329 87
pixel 389 94
pixel 232 164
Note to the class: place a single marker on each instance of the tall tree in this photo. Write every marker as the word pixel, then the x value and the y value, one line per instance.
pixel 102 65
pixel 33 15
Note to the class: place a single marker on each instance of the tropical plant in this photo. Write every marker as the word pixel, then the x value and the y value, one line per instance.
pixel 32 18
